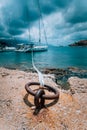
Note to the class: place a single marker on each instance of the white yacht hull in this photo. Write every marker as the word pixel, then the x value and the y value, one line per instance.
pixel 34 48
pixel 37 48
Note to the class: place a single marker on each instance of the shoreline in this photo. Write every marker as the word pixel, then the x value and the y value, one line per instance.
pixel 16 105
pixel 45 68
pixel 61 75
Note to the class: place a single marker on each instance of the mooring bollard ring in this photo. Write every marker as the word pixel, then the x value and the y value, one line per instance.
pixel 49 88
pixel 38 99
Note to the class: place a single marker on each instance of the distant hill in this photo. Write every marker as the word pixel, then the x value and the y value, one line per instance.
pixel 80 43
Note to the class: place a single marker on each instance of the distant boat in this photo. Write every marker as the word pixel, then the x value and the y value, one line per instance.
pixel 9 48
pixel 6 48
pixel 33 46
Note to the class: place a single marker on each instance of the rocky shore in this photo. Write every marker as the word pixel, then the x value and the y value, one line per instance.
pixel 61 76
pixel 80 43
pixel 16 113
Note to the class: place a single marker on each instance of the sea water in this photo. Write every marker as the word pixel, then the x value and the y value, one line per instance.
pixel 55 57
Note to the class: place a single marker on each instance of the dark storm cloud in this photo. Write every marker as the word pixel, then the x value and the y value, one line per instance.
pixel 1 28
pixel 50 6
pixel 65 20
pixel 18 15
pixel 62 3
pixel 71 22
pixel 17 24
pixel 4 35
pixel 14 31
pixel 77 13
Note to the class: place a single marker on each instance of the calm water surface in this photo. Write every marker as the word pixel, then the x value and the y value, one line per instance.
pixel 55 57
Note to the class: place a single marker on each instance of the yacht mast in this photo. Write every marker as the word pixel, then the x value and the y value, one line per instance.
pixel 29 34
pixel 41 18
pixel 39 31
pixel 39 21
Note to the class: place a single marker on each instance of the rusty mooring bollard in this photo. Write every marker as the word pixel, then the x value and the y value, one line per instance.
pixel 39 95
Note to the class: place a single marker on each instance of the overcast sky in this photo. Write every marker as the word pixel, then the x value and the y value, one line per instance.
pixel 65 21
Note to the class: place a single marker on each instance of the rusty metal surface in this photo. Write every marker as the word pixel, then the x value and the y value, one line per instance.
pixel 49 88
pixel 38 99
pixel 39 94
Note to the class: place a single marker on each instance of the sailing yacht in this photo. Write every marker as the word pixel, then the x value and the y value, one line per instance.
pixel 32 46
pixel 36 48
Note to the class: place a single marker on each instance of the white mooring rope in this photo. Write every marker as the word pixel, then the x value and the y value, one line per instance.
pixel 41 79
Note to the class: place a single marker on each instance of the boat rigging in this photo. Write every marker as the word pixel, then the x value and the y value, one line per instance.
pixel 34 46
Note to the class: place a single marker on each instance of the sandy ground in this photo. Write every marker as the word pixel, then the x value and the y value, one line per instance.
pixel 69 113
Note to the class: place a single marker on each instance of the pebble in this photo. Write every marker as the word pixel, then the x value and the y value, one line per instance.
pixel 78 111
